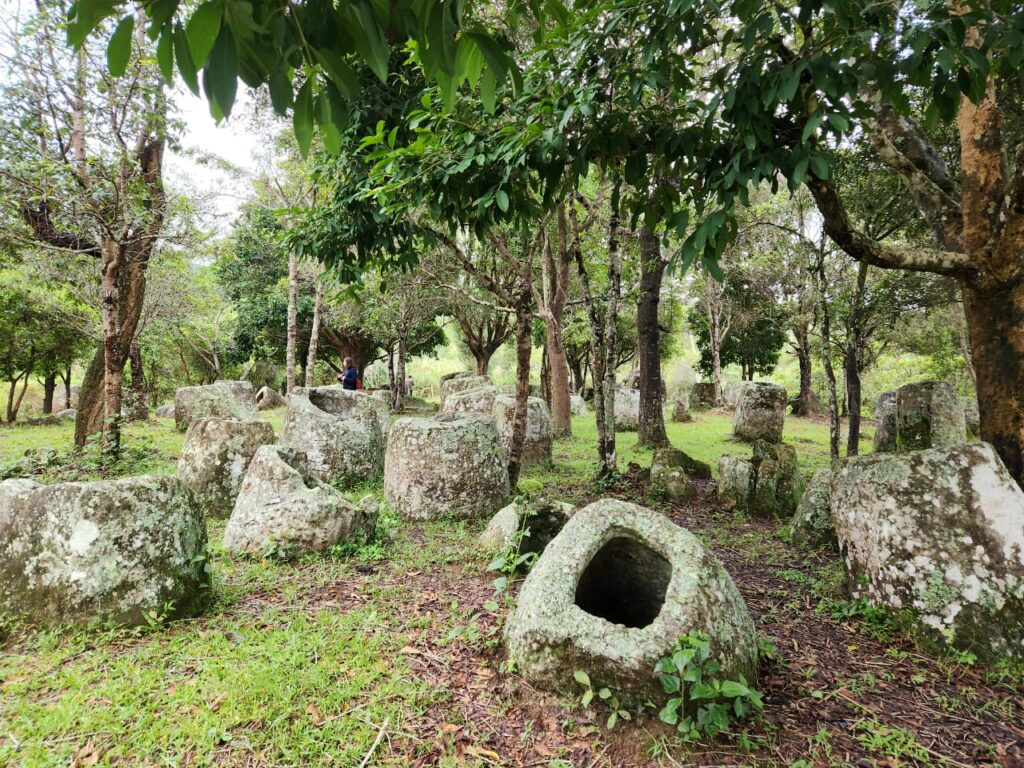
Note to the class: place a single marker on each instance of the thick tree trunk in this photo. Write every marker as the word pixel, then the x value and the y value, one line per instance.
pixel 524 346
pixel 66 376
pixel 851 370
pixel 483 361
pixel 801 334
pixel 293 300
pixel 49 387
pixel 14 402
pixel 314 335
pixel 140 408
pixel 558 369
pixel 652 270
pixel 995 320
pixel 113 349
pixel 89 420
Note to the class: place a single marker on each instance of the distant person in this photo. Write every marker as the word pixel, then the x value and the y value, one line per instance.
pixel 349 377
pixel 408 386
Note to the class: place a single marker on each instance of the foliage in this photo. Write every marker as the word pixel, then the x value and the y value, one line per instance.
pixel 701 704
pixel 617 711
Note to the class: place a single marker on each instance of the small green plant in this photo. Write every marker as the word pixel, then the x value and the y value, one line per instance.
pixel 617 711
pixel 510 559
pixel 273 549
pixel 701 704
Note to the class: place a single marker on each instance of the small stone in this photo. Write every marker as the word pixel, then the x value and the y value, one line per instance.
pixel 681 411
pixel 676 459
pixel 541 519
pixel 972 416
pixel 578 406
pixel 68 414
pixel 760 412
pixel 611 595
pixel 165 411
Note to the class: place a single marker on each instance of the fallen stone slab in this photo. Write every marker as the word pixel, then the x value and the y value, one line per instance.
pixel 612 594
pixel 450 465
pixel 214 459
pixel 117 550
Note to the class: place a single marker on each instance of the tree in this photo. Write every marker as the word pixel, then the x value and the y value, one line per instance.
pixel 652 413
pixel 83 158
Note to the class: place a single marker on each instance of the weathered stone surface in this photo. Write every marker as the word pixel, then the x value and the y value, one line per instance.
pixel 928 415
pixel 278 509
pixel 885 429
pixel 540 521
pixel 612 593
pixel 165 411
pixel 61 402
pixel 349 403
pixel 476 400
pixel 68 414
pixel 627 410
pixel 342 440
pixel 939 532
pixel 455 375
pixel 214 457
pixel 268 398
pixel 760 412
pixel 672 482
pixel 242 391
pixel 812 523
pixel 112 549
pixel 578 406
pixel 768 484
pixel 732 391
pixel 461 383
pixel 450 465
pixel 702 396
pixel 217 401
pixel 676 459
pixel 681 410
pixel 814 404
pixel 972 418
pixel 537 445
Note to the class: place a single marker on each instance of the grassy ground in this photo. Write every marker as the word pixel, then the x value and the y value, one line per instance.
pixel 391 655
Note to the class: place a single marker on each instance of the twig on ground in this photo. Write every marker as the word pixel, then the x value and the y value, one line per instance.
pixel 376 742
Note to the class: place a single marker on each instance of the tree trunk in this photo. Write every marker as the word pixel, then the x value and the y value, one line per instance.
pixel 558 364
pixel 652 415
pixel 66 376
pixel 801 334
pixel 293 300
pixel 90 400
pixel 524 346
pixel 140 408
pixel 113 350
pixel 995 320
pixel 826 360
pixel 391 372
pixel 545 376
pixel 609 336
pixel 715 339
pixel 398 395
pixel 483 360
pixel 851 370
pixel 49 387
pixel 314 335
pixel 14 403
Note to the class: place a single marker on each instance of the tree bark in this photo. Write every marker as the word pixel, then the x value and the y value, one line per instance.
pixel 826 361
pixel 140 408
pixel 801 333
pixel 293 300
pixel 398 395
pixel 715 338
pixel 852 362
pixel 314 335
pixel 49 387
pixel 524 347
pixel 14 403
pixel 610 329
pixel 652 270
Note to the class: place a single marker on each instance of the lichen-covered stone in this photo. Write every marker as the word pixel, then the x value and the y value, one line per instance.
pixel 342 440
pixel 461 383
pixel 279 509
pixel 268 398
pixel 242 391
pixel 676 459
pixel 68 414
pixel 768 484
pixel 681 411
pixel 476 400
pixel 218 401
pixel 539 436
pixel 885 418
pixel 702 396
pixel 214 457
pixel 578 406
pixel 972 416
pixel 732 391
pixel 112 549
pixel 612 594
pixel 928 415
pixel 938 533
pixel 528 524
pixel 627 410
pixel 165 411
pixel 812 523
pixel 760 412
pixel 450 465
pixel 338 401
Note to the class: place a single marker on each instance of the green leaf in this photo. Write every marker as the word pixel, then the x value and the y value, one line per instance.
pixel 371 44
pixel 731 689
pixel 501 198
pixel 487 91
pixel 329 132
pixel 280 90
pixel 119 49
pixel 183 55
pixel 341 74
pixel 839 122
pixel 302 118
pixel 670 712
pixel 702 691
pixel 588 696
pixel 220 75
pixel 491 606
pixel 165 53
pixel 581 677
pixel 799 172
pixel 202 30
pixel 820 166
pixel 604 693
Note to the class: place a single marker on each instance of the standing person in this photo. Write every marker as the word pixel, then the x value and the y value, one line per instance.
pixel 349 377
